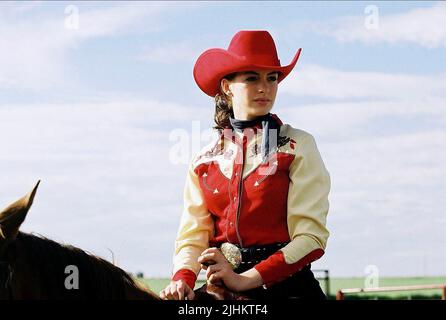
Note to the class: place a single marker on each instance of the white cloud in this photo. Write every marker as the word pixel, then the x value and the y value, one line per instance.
pixel 35 47
pixel 17 7
pixel 421 26
pixel 87 127
pixel 322 82
pixel 108 21
pixel 344 121
pixel 170 53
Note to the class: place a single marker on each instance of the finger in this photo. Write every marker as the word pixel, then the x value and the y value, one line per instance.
pixel 180 294
pixel 208 263
pixel 217 256
pixel 207 260
pixel 206 256
pixel 164 294
pixel 167 294
pixel 190 294
pixel 210 250
pixel 173 294
pixel 212 269
pixel 215 278
pixel 180 290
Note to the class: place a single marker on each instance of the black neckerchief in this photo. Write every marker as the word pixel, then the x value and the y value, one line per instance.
pixel 268 123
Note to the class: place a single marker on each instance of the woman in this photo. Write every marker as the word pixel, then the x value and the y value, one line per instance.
pixel 260 190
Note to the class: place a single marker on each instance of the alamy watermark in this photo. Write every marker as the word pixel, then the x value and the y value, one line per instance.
pixel 371 20
pixel 189 143
pixel 72 18
pixel 72 280
pixel 372 276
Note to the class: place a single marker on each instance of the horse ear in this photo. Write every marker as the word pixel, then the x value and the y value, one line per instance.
pixel 13 216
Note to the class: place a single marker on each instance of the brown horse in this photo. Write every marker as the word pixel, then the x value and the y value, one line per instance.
pixel 34 267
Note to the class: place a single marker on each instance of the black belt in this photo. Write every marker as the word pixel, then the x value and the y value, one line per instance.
pixel 255 254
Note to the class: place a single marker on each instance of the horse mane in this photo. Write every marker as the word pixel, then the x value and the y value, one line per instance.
pixel 98 278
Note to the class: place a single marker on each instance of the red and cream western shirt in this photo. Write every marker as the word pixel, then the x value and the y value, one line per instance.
pixel 231 196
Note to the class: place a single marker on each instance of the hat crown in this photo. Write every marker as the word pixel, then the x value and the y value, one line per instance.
pixel 257 45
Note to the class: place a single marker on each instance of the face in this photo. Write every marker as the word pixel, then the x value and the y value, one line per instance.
pixel 252 93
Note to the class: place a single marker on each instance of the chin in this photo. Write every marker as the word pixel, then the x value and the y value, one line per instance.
pixel 256 111
pixel 263 111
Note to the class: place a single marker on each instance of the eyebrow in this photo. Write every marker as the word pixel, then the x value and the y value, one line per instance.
pixel 256 73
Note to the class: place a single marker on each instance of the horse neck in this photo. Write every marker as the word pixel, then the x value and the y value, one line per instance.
pixel 40 273
pixel 136 293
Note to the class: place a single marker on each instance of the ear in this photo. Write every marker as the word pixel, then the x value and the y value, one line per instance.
pixel 13 216
pixel 224 87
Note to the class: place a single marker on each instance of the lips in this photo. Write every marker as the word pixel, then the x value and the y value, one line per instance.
pixel 262 100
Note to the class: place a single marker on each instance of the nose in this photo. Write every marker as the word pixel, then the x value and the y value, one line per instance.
pixel 263 86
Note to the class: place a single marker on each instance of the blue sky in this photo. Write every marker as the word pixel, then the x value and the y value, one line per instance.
pixel 95 112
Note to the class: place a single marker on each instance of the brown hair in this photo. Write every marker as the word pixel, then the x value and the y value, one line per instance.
pixel 223 106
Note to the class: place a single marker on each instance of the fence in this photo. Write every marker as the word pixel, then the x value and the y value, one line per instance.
pixel 326 279
pixel 341 293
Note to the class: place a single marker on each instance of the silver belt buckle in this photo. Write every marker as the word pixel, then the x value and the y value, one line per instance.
pixel 232 253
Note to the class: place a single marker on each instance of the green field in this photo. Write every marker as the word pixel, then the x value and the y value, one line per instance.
pixel 157 285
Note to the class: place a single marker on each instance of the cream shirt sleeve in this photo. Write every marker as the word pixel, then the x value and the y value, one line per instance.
pixel 196 226
pixel 307 202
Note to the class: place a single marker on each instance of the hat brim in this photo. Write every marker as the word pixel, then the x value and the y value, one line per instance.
pixel 213 64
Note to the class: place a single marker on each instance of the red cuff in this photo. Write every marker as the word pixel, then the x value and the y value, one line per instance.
pixel 275 268
pixel 187 276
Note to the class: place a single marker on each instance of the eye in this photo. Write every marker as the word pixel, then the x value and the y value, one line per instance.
pixel 273 78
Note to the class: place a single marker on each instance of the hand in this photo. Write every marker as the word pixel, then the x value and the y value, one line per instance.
pixel 219 270
pixel 177 290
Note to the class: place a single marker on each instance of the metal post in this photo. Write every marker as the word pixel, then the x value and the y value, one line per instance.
pixel 340 295
pixel 327 283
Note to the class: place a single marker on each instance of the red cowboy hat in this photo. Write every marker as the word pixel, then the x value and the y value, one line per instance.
pixel 248 50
